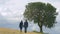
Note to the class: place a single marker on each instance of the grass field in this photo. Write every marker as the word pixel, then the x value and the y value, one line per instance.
pixel 12 31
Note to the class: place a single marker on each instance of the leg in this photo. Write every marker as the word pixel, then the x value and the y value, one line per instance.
pixel 21 29
pixel 25 30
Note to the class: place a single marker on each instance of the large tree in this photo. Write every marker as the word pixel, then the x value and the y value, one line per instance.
pixel 41 13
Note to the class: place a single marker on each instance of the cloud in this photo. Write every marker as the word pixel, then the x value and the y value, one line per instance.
pixel 15 8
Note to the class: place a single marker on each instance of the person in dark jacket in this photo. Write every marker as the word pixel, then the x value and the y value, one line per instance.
pixel 21 25
pixel 25 26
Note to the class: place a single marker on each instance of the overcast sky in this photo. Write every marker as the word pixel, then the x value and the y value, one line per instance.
pixel 11 13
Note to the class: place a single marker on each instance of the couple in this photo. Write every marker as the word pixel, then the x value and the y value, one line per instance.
pixel 25 25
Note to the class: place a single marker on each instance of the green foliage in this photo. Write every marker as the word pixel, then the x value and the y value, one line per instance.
pixel 41 13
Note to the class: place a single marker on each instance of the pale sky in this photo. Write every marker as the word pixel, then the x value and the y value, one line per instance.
pixel 11 12
pixel 13 9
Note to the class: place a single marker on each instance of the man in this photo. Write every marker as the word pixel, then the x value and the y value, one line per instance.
pixel 21 25
pixel 25 26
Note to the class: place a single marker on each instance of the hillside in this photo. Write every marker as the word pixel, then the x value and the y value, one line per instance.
pixel 12 31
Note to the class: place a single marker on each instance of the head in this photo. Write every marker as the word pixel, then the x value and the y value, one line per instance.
pixel 26 20
pixel 21 20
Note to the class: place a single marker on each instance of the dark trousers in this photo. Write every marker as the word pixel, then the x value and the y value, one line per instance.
pixel 21 29
pixel 25 29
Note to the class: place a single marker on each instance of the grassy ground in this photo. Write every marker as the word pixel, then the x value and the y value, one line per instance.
pixel 12 31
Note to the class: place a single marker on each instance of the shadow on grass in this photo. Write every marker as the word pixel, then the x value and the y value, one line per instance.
pixel 40 32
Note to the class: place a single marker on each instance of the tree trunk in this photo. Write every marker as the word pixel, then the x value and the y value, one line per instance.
pixel 41 29
pixel 40 26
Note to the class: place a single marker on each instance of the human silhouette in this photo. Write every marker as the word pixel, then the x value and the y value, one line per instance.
pixel 25 26
pixel 21 25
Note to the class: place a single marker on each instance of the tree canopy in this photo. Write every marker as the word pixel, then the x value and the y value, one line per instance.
pixel 42 13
